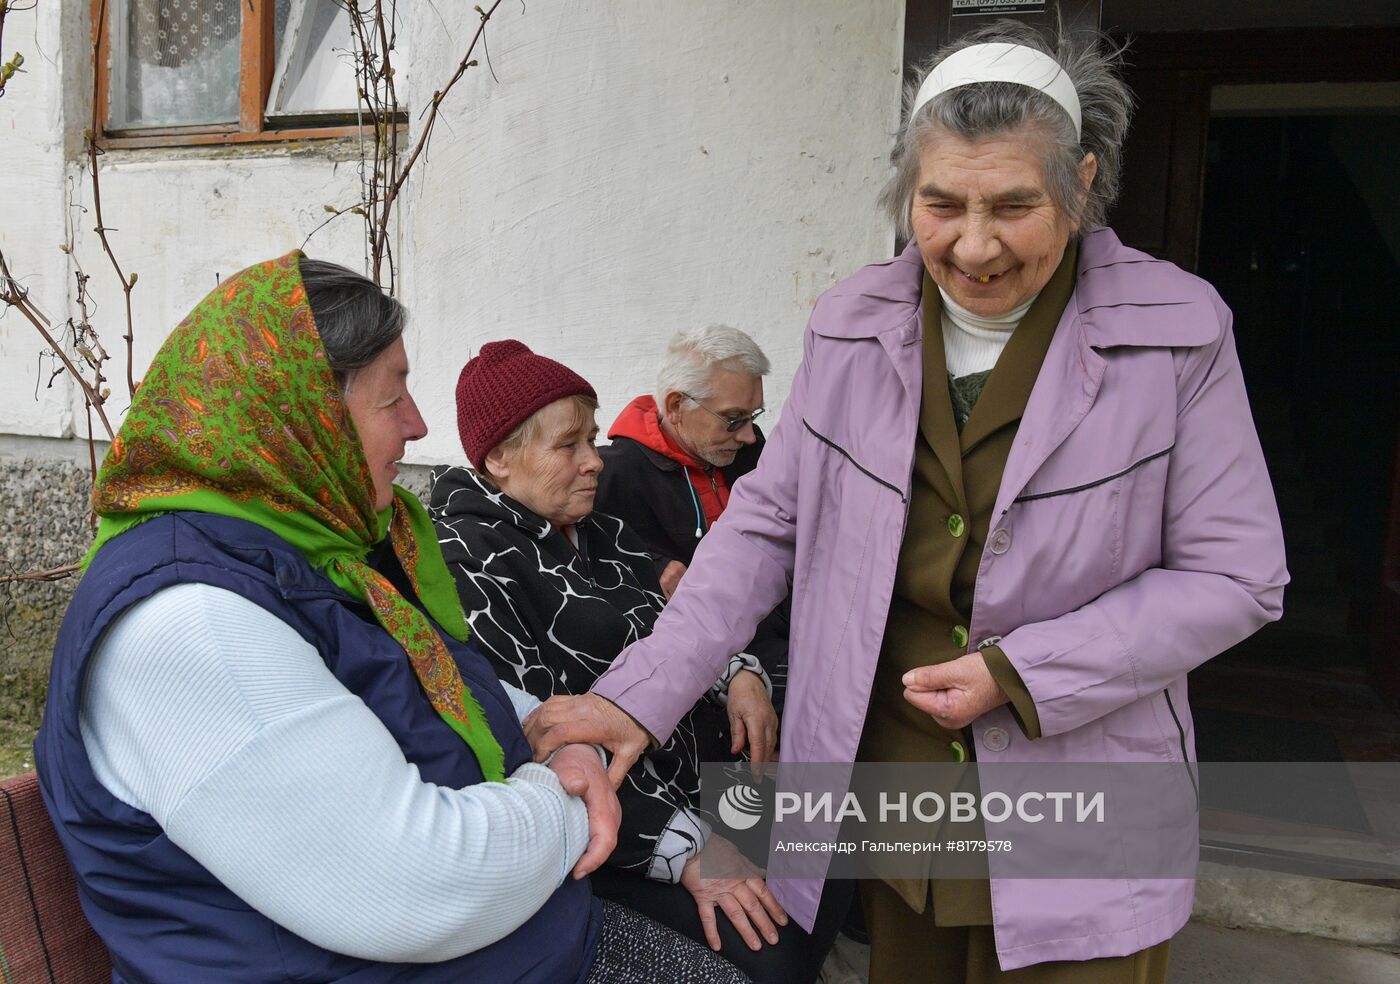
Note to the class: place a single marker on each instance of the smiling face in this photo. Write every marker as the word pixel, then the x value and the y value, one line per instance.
pixel 700 430
pixel 385 417
pixel 555 473
pixel 989 232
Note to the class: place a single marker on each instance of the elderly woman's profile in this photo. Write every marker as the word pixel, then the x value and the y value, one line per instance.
pixel 270 752
pixel 1017 495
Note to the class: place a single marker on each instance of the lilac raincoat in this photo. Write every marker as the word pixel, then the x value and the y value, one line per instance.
pixel 1135 536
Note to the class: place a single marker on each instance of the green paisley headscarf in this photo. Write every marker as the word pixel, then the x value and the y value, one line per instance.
pixel 240 415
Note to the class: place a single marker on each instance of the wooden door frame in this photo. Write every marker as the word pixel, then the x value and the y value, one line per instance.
pixel 1181 67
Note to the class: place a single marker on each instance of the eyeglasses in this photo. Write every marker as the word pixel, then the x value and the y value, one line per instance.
pixel 731 424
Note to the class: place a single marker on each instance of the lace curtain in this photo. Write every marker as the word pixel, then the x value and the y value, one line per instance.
pixel 175 62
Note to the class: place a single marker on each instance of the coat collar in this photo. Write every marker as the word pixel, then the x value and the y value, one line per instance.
pixel 1126 297
pixel 1064 391
pixel 880 301
pixel 1122 297
pixel 880 298
pixel 743 463
pixel 936 407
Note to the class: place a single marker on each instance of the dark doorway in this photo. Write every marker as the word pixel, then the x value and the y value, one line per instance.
pixel 1300 233
pixel 1289 202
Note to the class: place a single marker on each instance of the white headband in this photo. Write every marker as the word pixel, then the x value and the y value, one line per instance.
pixel 1003 63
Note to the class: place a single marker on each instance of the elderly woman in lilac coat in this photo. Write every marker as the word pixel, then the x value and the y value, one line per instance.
pixel 1017 495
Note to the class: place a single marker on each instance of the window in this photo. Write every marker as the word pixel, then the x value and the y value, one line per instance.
pixel 224 71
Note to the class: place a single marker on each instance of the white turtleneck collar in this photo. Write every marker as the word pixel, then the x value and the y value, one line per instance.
pixel 973 343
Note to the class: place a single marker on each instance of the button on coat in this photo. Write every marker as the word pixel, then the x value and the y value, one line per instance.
pixel 995 739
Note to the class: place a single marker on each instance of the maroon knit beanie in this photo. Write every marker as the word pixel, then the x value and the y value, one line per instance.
pixel 500 388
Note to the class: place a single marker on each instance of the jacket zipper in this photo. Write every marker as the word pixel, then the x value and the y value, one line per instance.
pixel 1181 737
pixel 700 525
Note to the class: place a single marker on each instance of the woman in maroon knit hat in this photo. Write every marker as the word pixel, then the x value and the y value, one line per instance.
pixel 553 592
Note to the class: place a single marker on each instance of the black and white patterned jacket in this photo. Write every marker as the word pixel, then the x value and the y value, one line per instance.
pixel 552 618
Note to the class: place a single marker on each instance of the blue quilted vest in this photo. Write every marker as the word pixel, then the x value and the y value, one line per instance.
pixel 161 914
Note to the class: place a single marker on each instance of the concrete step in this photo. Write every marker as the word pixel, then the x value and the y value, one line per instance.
pixel 1349 912
pixel 1207 954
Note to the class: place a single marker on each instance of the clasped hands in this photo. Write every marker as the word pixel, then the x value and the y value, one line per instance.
pixel 569 724
pixel 580 772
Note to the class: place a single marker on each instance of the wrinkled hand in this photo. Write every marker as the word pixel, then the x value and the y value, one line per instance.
pixel 752 720
pixel 746 899
pixel 955 693
pixel 671 576
pixel 587 719
pixel 580 772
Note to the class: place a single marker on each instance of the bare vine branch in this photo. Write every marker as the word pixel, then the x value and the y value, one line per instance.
pixel 9 69
pixel 90 137
pixel 432 113
pixel 383 170
pixel 74 343
pixel 52 574
pixel 77 347
pixel 15 295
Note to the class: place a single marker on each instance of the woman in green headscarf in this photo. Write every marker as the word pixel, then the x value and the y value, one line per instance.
pixel 269 750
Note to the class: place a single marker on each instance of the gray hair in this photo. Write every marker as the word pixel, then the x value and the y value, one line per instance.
pixel 530 429
pixel 355 319
pixel 984 109
pixel 695 353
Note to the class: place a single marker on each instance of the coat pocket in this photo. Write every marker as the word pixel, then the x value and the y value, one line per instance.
pixel 854 463
pixel 1094 483
pixel 1093 532
pixel 850 520
pixel 1180 737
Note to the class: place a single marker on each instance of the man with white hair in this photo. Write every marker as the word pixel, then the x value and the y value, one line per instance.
pixel 676 454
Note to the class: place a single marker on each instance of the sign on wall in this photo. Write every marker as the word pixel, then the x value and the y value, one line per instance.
pixel 930 24
pixel 964 8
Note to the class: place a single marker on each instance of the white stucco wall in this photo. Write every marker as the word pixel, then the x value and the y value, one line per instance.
pixel 642 167
pixel 638 167
pixel 178 219
pixel 31 218
pixel 185 223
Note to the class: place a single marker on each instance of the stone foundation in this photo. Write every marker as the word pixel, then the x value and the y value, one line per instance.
pixel 44 487
pixel 43 524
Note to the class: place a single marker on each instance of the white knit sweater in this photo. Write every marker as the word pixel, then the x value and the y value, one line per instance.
pixel 222 723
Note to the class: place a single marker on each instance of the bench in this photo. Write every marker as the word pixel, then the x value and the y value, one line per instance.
pixel 44 936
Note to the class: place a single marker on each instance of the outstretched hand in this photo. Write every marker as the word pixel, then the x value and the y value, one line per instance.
pixel 580 772
pixel 752 719
pixel 954 693
pixel 587 719
pixel 744 898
